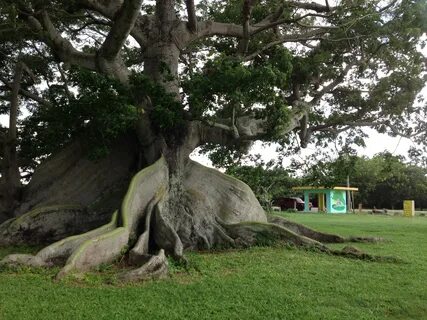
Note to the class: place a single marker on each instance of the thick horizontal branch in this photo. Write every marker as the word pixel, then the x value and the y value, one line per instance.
pixel 223 132
pixel 245 31
pixel 245 129
pixel 311 6
pixel 212 28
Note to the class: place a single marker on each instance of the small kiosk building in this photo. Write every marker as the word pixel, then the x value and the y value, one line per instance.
pixel 331 200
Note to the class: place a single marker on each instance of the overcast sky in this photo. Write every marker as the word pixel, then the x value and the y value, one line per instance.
pixel 374 144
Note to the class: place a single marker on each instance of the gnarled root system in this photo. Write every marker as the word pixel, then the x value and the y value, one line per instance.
pixel 166 213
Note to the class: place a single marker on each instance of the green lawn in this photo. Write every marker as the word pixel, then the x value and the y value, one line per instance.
pixel 260 283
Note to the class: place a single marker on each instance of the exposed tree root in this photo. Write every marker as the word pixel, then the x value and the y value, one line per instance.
pixel 70 178
pixel 155 268
pixel 355 253
pixel 317 235
pixel 58 252
pixel 49 224
pixel 159 216
pixel 247 234
pixel 255 234
pixel 105 244
pixel 140 251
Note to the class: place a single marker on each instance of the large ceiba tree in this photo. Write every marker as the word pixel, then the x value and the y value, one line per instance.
pixel 120 92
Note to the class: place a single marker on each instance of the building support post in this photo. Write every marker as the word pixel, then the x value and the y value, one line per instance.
pixel 306 201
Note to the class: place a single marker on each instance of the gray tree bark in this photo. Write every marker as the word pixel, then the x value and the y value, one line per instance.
pixel 10 181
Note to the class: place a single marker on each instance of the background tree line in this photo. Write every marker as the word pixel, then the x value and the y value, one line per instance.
pixel 384 180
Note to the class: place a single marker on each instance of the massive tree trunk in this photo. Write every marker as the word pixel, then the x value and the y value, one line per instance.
pixel 170 206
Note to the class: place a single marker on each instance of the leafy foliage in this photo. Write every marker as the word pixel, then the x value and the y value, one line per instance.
pixel 267 182
pixel 101 111
pixel 225 84
pixel 166 112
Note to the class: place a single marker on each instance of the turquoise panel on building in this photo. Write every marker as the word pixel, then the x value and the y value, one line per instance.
pixel 338 201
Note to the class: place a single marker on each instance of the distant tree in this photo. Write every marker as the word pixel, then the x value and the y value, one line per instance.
pixel 416 189
pixel 384 181
pixel 267 181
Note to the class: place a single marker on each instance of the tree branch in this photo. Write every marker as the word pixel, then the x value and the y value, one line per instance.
pixel 64 79
pixel 10 163
pixel 311 6
pixel 388 6
pixel 106 8
pixel 272 17
pixel 319 94
pixel 246 128
pixel 312 35
pixel 192 18
pixel 124 22
pixel 110 9
pixel 62 47
pixel 26 93
pixel 14 101
pixel 259 27
pixel 246 13
pixel 212 28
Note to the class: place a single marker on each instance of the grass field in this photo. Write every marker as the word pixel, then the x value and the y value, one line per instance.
pixel 260 283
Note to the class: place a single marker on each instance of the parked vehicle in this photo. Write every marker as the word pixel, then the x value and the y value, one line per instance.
pixel 286 203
